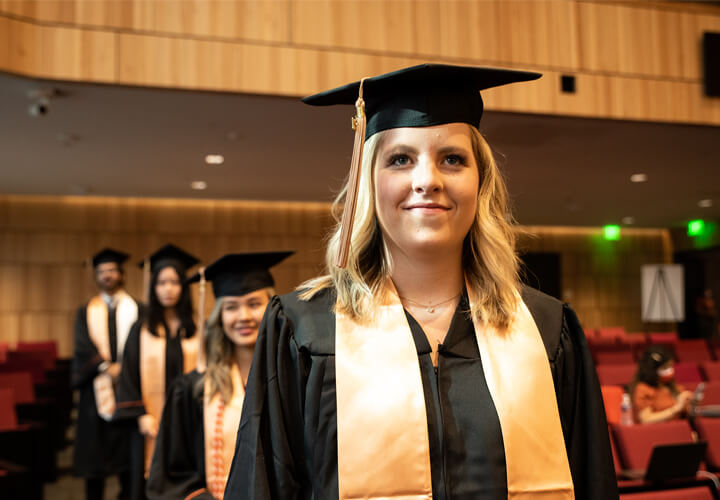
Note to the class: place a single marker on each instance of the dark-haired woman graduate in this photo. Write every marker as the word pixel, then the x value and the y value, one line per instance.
pixel 159 349
pixel 196 438
pixel 419 367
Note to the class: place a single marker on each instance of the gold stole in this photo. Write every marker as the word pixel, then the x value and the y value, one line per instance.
pixel 152 377
pixel 220 423
pixel 97 325
pixel 383 449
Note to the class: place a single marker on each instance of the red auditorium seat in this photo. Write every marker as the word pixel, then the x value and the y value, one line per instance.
pixel 615 374
pixel 635 442
pixel 49 346
pixel 615 456
pixel 8 417
pixel 711 394
pixel 34 366
pixel 612 332
pixel 695 493
pixel 46 357
pixel 4 348
pixel 21 384
pixel 692 350
pixel 612 398
pixel 711 370
pixel 688 373
pixel 621 355
pixel 665 339
pixel 709 430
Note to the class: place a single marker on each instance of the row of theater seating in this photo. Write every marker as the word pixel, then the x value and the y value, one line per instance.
pixel 615 353
pixel 35 405
pixel 632 446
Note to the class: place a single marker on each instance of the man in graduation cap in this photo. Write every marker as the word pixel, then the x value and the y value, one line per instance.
pixel 196 438
pixel 101 330
pixel 419 367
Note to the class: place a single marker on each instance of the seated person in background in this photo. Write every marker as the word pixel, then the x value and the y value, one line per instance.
pixel 655 395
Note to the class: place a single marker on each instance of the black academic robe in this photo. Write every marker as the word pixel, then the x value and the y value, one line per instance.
pixel 130 401
pixel 287 438
pixel 178 465
pixel 101 448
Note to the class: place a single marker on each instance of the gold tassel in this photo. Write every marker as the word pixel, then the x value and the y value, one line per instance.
pixel 346 224
pixel 201 360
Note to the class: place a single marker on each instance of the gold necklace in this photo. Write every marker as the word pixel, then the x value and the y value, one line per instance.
pixel 430 308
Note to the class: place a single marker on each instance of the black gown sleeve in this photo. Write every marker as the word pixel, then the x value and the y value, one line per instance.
pixel 583 414
pixel 178 464
pixel 129 391
pixel 268 461
pixel 86 358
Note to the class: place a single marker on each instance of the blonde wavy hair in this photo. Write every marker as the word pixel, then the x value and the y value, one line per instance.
pixel 489 259
pixel 219 352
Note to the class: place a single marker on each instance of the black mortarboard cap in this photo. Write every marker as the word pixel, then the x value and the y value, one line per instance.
pixel 241 273
pixel 170 255
pixel 423 95
pixel 109 255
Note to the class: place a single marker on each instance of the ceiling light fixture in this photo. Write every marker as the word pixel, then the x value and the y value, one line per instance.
pixel 638 178
pixel 707 203
pixel 214 159
pixel 198 185
pixel 628 220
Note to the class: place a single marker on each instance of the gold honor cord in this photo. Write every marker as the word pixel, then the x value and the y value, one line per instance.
pixel 346 225
pixel 201 360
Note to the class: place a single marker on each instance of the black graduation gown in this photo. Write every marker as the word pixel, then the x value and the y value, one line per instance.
pixel 101 447
pixel 287 441
pixel 178 465
pixel 129 390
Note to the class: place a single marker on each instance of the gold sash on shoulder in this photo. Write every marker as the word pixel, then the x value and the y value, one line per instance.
pixel 383 449
pixel 220 423
pixel 152 377
pixel 98 331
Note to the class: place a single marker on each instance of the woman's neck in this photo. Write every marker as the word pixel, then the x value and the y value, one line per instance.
pixel 428 279
pixel 242 356
pixel 172 321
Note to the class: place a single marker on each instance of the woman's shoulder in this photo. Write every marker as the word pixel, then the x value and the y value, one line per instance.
pixel 311 322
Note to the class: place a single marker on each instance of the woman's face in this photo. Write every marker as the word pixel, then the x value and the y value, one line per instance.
pixel 426 187
pixel 168 287
pixel 241 316
pixel 666 373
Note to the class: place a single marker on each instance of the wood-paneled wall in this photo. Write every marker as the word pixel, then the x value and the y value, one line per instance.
pixel 632 60
pixel 45 240
pixel 600 278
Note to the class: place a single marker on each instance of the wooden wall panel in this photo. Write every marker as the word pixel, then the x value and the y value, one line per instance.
pixel 634 39
pixel 45 240
pixel 637 61
pixel 601 279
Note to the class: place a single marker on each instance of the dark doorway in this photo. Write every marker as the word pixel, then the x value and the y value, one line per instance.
pixel 542 270
pixel 702 274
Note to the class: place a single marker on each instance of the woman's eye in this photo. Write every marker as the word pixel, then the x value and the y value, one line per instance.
pixel 399 160
pixel 455 160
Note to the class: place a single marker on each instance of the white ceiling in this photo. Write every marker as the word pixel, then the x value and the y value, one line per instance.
pixel 124 141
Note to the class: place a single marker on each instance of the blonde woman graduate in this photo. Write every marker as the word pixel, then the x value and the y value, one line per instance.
pixel 418 366
pixel 196 438
pixel 159 349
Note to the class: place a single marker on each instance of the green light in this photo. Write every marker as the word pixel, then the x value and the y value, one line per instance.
pixel 696 227
pixel 611 232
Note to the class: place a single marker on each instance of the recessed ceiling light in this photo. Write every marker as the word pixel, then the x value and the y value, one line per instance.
pixel 638 178
pixel 628 220
pixel 214 159
pixel 198 185
pixel 705 203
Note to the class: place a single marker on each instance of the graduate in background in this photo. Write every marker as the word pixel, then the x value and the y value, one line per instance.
pixel 419 367
pixel 196 438
pixel 101 329
pixel 159 349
